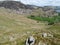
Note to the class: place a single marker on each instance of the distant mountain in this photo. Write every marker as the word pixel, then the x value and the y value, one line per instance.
pixel 28 9
pixel 14 5
pixel 57 8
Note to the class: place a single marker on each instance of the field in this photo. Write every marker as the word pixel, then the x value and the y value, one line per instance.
pixel 15 28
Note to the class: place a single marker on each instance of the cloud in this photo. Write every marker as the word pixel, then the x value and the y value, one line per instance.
pixel 7 0
pixel 40 2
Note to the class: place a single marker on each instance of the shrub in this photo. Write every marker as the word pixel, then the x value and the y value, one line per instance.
pixel 50 23
pixel 50 20
pixel 58 14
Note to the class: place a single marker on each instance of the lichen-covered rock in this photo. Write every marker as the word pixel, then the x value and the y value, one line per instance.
pixel 30 40
pixel 47 35
pixel 42 43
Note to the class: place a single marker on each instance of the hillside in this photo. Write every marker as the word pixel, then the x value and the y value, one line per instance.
pixel 14 5
pixel 15 28
pixel 24 9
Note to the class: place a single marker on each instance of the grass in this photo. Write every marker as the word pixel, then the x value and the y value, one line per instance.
pixel 20 27
pixel 53 19
pixel 17 26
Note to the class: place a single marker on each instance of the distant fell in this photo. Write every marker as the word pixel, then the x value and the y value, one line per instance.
pixel 14 5
pixel 24 9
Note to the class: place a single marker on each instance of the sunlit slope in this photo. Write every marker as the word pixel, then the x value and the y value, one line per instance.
pixel 15 28
pixel 15 25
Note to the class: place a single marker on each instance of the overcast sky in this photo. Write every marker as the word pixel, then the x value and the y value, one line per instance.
pixel 41 2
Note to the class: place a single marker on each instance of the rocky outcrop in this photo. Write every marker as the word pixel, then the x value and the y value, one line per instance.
pixel 14 5
pixel 28 9
pixel 30 40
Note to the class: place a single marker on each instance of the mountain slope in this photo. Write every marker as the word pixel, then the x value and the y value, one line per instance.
pixel 14 5
pixel 16 26
pixel 28 9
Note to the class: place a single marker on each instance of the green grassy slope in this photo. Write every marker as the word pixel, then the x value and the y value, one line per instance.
pixel 15 28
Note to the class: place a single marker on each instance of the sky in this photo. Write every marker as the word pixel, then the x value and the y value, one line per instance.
pixel 41 2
